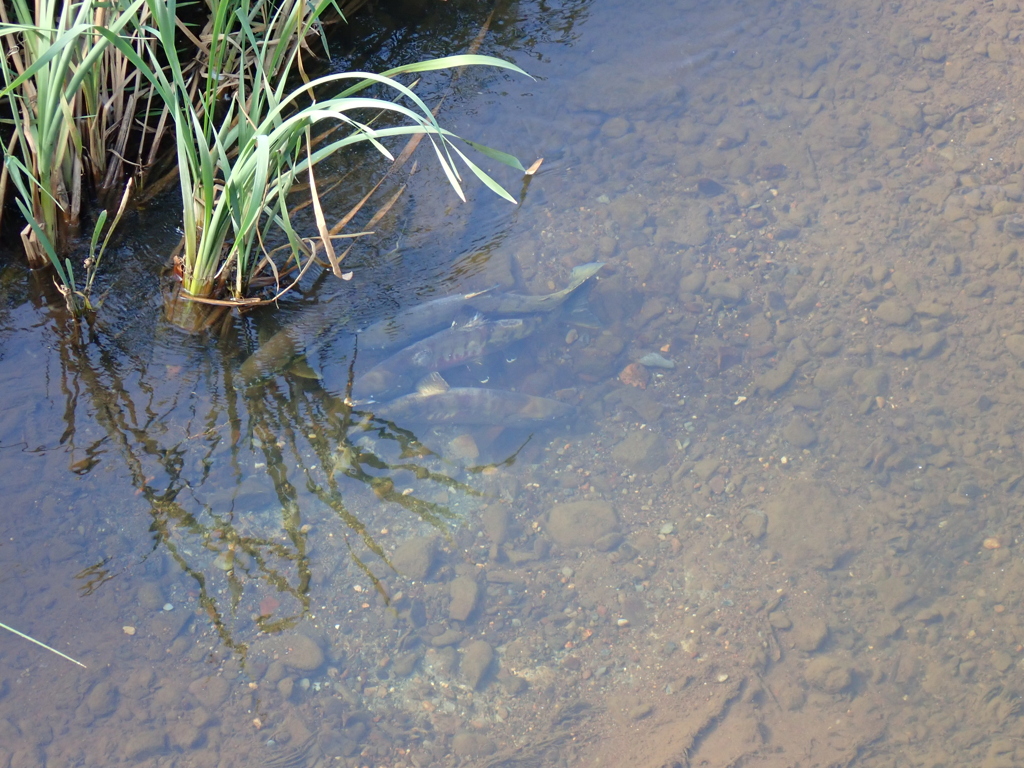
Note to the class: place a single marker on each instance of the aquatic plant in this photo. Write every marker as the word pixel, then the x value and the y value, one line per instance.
pixel 242 149
pixel 67 93
pixel 84 79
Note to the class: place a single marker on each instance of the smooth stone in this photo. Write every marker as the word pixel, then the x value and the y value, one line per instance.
pixel 1015 343
pixel 150 596
pixel 773 380
pixel 806 525
pixel 446 638
pixel 476 661
pixel 779 620
pixel 143 744
pixel 465 592
pixel 581 523
pixel 799 433
pixel 640 711
pixel 608 542
pixel 642 451
pixel 903 344
pixel 404 665
pixel 755 524
pixel 687 225
pixel 705 468
pixel 930 344
pixel 414 557
pixel 211 691
pixel 295 650
pixel 808 634
pixel 102 699
pixel 184 736
pixel 693 282
pixel 466 744
pixel 140 683
pixel 894 312
pixel 495 519
pixel 726 291
pixel 829 378
pixel 804 300
pixel 872 382
pixel 615 127
pixel 828 674
pixel 1002 661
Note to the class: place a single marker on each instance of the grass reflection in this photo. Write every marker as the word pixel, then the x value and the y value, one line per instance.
pixel 239 483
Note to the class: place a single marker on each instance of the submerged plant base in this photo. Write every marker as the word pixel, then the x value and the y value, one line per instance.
pixel 187 314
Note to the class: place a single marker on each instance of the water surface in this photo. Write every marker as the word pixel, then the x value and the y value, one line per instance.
pixel 797 545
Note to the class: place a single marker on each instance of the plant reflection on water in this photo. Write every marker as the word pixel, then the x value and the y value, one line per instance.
pixel 198 484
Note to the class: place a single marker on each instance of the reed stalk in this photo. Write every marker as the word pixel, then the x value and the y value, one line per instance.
pixel 61 95
pixel 244 141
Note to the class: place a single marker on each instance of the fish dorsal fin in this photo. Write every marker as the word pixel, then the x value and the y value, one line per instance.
pixel 433 384
pixel 474 294
pixel 474 321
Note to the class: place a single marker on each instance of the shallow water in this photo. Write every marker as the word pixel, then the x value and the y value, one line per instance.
pixel 799 545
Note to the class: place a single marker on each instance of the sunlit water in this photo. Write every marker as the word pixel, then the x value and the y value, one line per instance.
pixel 797 545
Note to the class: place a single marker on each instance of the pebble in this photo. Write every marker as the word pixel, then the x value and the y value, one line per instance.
pixel 168 606
pixel 102 699
pixel 143 744
pixel 465 592
pixel 446 638
pixel 654 360
pixel 414 558
pixel 211 691
pixel 149 596
pixel 635 375
pixel 581 523
pixel 642 451
pixel 641 711
pixel 808 634
pixel 828 674
pixel 1015 343
pixel 799 433
pixel 404 665
pixel 466 744
pixel 476 661
pixel 773 380
pixel 295 650
pixel 894 312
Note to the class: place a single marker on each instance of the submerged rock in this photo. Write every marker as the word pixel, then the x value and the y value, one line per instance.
pixel 642 451
pixel 415 558
pixel 581 523
pixel 476 662
pixel 465 593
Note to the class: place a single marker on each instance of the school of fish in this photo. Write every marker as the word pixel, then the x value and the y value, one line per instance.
pixel 429 338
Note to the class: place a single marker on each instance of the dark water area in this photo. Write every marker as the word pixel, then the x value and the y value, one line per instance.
pixel 781 525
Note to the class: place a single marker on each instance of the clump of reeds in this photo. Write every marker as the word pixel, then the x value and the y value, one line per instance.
pixel 248 126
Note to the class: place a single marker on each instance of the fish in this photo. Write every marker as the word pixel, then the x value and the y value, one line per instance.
pixel 306 334
pixel 448 348
pixel 299 338
pixel 416 322
pixel 502 304
pixel 434 402
pixel 406 326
